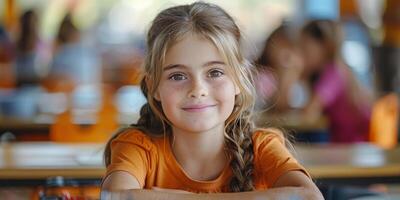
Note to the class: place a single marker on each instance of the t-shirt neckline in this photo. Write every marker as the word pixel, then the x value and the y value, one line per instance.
pixel 177 169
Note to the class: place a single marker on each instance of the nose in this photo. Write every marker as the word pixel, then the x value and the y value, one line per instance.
pixel 198 88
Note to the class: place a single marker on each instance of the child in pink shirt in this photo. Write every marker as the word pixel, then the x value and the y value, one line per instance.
pixel 336 92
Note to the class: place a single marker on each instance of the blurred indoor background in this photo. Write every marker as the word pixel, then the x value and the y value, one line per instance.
pixel 328 74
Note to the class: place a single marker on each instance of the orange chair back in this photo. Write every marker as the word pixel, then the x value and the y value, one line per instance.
pixel 64 130
pixel 384 118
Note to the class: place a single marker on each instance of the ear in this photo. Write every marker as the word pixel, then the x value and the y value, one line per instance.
pixel 156 94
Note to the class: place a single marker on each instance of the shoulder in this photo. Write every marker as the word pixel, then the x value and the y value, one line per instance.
pixel 134 136
pixel 268 142
pixel 266 135
pixel 134 152
pixel 272 158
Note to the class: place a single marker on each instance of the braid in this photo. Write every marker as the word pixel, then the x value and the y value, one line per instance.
pixel 240 148
pixel 148 122
pixel 148 119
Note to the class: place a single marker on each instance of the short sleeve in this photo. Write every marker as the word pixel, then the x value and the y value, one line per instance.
pixel 272 158
pixel 330 86
pixel 132 152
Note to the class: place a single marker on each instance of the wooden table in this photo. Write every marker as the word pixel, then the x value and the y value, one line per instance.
pixel 356 160
pixel 358 164
pixel 291 121
pixel 38 128
pixel 39 160
pixel 25 129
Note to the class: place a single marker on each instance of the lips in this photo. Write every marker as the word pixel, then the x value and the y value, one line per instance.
pixel 197 107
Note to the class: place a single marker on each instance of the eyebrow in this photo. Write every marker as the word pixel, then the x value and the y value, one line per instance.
pixel 172 66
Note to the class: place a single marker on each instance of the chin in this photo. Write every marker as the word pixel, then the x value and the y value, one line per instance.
pixel 198 129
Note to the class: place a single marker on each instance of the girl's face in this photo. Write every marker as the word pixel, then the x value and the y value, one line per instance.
pixel 314 53
pixel 287 57
pixel 196 91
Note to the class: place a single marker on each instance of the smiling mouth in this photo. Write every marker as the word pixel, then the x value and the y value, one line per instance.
pixel 197 108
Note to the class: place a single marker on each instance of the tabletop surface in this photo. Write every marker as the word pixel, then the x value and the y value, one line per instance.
pixel 30 160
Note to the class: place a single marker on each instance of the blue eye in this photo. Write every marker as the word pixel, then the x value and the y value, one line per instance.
pixel 214 73
pixel 177 77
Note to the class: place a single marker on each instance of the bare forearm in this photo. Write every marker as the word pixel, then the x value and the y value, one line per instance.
pixel 297 193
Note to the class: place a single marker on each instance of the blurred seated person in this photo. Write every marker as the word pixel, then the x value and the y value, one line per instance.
pixel 278 73
pixel 335 91
pixel 32 54
pixel 74 63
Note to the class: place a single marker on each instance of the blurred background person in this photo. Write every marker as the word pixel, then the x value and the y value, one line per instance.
pixel 335 91
pixel 32 54
pixel 278 73
pixel 74 63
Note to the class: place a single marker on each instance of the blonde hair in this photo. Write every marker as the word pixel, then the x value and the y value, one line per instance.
pixel 214 24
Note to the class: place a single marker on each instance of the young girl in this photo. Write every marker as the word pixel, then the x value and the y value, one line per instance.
pixel 336 90
pixel 194 137
pixel 279 67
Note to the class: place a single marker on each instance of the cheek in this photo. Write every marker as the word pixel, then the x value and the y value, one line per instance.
pixel 224 91
pixel 170 95
pixel 167 89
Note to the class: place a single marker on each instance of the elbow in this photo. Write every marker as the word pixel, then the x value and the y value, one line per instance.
pixel 312 193
pixel 120 180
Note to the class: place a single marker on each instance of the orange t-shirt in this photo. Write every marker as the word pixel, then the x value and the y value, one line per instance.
pixel 152 162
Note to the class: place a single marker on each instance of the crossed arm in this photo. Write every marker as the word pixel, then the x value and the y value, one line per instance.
pixel 292 185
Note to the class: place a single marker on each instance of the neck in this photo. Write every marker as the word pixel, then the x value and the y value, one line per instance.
pixel 195 151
